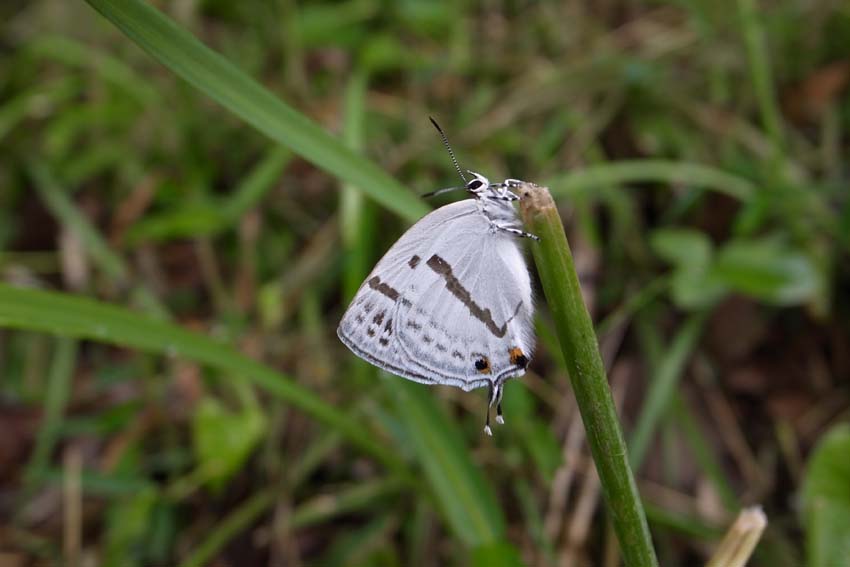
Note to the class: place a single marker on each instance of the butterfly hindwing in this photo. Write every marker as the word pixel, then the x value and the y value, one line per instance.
pixel 449 303
pixel 471 322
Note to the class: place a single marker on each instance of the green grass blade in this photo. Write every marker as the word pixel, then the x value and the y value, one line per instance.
pixel 757 54
pixel 651 170
pixel 357 214
pixel 222 81
pixel 463 495
pixel 58 203
pixel 703 453
pixel 587 374
pixel 231 525
pixel 213 218
pixel 67 315
pixel 663 387
pixel 256 185
pixel 112 70
pixel 56 397
pixel 67 213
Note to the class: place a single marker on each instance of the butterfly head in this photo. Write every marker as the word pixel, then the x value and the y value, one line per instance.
pixel 480 187
pixel 478 184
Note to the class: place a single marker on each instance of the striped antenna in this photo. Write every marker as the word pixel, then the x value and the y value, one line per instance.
pixel 448 147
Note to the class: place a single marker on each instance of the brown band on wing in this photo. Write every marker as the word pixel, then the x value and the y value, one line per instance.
pixel 379 286
pixel 413 262
pixel 454 286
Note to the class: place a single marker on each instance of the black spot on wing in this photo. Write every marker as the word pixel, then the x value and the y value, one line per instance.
pixel 482 365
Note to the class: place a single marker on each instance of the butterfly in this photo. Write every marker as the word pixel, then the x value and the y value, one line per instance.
pixel 451 302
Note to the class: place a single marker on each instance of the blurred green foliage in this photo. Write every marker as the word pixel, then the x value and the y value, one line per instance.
pixel 698 151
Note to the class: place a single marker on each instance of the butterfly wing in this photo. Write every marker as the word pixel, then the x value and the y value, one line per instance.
pixel 450 303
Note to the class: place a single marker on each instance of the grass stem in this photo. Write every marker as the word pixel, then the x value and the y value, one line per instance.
pixel 587 374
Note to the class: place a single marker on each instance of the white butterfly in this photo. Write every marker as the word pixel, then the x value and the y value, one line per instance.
pixel 450 302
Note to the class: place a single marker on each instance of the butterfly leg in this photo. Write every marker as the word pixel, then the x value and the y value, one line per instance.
pixel 517 232
pixel 491 398
pixel 499 391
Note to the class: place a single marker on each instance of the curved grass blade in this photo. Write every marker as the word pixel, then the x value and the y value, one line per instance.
pixel 72 316
pixel 652 170
pixel 463 495
pixel 225 83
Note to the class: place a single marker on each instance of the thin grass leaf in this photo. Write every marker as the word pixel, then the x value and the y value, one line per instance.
pixel 113 70
pixel 703 453
pixel 231 526
pixel 663 387
pixel 652 171
pixel 762 76
pixel 357 214
pixel 357 545
pixel 690 526
pixel 210 219
pixel 255 185
pixel 14 110
pixel 67 315
pixel 358 496
pixel 225 83
pixel 66 212
pixel 58 202
pixel 463 495
pixel 56 398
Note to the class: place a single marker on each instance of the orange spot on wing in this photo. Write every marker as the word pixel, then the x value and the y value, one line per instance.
pixel 518 358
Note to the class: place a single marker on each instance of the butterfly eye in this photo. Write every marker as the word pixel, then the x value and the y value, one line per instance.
pixel 474 185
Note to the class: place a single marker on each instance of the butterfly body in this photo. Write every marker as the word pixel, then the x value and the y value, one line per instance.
pixel 450 302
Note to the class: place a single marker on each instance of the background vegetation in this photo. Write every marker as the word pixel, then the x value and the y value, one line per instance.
pixel 173 391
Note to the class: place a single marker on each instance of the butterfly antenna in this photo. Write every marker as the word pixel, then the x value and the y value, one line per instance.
pixel 441 191
pixel 448 147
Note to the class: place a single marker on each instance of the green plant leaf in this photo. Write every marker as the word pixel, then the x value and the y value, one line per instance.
pixel 223 440
pixel 826 501
pixel 225 83
pixel 682 247
pixel 768 270
pixel 692 285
